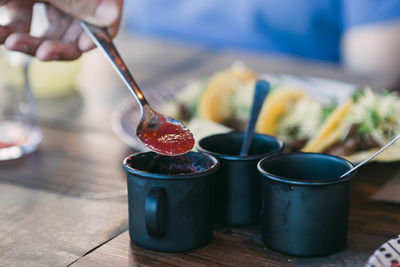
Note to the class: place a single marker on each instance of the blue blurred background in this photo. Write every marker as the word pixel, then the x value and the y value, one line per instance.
pixel 311 29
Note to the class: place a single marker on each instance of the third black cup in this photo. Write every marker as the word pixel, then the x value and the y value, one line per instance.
pixel 305 203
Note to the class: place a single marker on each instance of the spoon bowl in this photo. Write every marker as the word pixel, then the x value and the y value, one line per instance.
pixel 156 131
pixel 163 134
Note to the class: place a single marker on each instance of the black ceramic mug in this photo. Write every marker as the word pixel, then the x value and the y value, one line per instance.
pixel 305 204
pixel 171 200
pixel 238 186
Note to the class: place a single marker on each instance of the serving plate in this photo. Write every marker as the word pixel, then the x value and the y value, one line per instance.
pixel 126 116
pixel 387 255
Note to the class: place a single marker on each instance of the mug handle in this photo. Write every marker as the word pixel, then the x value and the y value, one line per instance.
pixel 156 212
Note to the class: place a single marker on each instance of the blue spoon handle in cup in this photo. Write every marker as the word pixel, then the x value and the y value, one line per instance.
pixel 260 93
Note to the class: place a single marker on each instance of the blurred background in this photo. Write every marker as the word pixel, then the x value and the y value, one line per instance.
pixel 170 42
pixel 360 36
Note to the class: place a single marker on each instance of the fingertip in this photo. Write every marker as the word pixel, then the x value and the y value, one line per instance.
pixel 45 52
pixel 47 57
pixel 107 13
pixel 11 41
pixel 14 42
pixel 41 55
pixel 85 43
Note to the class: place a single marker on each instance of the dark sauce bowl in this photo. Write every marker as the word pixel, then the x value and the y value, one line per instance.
pixel 153 165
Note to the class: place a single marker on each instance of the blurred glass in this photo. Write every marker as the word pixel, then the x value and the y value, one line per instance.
pixel 54 78
pixel 20 133
pixel 50 79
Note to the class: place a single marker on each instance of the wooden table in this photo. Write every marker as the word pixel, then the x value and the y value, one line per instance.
pixel 66 203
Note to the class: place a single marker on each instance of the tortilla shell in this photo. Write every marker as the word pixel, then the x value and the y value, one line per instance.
pixel 331 131
pixel 274 107
pixel 214 102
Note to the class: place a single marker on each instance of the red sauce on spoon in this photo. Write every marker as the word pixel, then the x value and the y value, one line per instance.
pixel 168 138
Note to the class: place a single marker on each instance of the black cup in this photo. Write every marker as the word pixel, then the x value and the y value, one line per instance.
pixel 305 204
pixel 171 200
pixel 238 185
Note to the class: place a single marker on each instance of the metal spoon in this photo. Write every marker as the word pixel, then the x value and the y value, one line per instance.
pixel 151 123
pixel 370 157
pixel 260 92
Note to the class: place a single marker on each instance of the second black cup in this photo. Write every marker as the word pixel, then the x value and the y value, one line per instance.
pixel 238 187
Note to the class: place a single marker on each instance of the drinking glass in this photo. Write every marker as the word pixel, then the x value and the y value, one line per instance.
pixel 20 133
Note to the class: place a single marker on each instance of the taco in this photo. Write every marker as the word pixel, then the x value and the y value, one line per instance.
pixel 227 97
pixel 293 116
pixel 360 127
pixel 224 98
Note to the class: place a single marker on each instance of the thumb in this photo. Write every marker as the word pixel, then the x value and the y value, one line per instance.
pixel 99 12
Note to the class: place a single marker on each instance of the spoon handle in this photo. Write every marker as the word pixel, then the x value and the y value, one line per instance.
pixel 260 92
pixel 370 157
pixel 104 42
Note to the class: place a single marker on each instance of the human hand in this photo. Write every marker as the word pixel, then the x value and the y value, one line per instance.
pixel 64 38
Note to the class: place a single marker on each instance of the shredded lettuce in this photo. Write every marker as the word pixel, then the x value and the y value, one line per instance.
pixel 302 120
pixel 240 101
pixel 376 114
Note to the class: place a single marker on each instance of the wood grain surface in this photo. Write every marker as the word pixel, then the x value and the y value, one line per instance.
pixel 70 162
pixel 39 228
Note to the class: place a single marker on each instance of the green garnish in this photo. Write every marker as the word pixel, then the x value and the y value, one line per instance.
pixel 359 92
pixel 374 117
pixel 385 92
pixel 370 123
pixel 327 109
pixel 363 130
